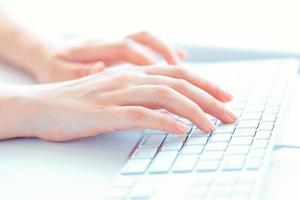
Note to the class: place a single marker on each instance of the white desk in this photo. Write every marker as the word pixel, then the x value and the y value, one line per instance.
pixel 34 169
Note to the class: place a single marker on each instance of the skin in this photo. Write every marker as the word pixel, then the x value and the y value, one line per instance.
pixel 91 98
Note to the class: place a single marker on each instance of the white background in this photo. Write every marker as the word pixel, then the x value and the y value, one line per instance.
pixel 254 24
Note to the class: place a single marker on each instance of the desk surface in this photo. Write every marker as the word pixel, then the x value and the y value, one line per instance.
pixel 35 169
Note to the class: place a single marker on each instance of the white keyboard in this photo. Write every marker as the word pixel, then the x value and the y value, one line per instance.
pixel 225 164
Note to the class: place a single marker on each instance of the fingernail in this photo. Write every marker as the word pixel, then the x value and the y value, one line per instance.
pixel 210 126
pixel 231 115
pixel 227 95
pixel 182 128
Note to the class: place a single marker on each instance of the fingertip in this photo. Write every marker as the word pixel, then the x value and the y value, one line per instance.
pixel 182 54
pixel 97 67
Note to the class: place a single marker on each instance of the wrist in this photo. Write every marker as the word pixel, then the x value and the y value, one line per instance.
pixel 16 112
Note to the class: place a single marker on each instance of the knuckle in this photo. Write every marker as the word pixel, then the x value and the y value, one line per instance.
pixel 179 71
pixel 181 84
pixel 162 90
pixel 136 113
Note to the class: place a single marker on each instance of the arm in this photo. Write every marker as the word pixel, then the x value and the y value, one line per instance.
pixel 19 47
pixel 51 64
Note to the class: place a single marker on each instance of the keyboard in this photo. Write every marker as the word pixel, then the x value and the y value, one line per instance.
pixel 228 163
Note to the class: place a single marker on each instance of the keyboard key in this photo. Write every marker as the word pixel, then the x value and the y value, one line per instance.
pixel 272 110
pixel 237 150
pixel 253 163
pixel 172 138
pixel 254 109
pixel 266 126
pixel 152 140
pixel 198 133
pixel 136 166
pixel 212 155
pixel 163 162
pixel 251 116
pixel 269 118
pixel 263 135
pixel 185 163
pixel 207 166
pixel 244 132
pixel 241 140
pixel 234 162
pixel 216 146
pixel 220 138
pixel 225 128
pixel 144 152
pixel 248 124
pixel 197 141
pixel 172 146
pixel 193 149
pixel 256 153
pixel 260 144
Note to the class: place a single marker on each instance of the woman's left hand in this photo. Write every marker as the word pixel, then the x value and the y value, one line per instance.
pixel 92 57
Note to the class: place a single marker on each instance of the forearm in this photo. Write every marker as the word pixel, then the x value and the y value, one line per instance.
pixel 19 47
pixel 15 112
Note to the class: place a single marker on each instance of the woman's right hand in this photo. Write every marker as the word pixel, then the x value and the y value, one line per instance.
pixel 117 100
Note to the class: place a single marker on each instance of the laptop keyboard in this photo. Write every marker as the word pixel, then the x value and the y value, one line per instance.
pixel 223 164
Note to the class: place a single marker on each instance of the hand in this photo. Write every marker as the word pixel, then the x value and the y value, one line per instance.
pixel 92 57
pixel 117 100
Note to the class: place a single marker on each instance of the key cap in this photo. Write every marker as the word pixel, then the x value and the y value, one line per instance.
pixel 220 138
pixel 197 141
pixel 163 162
pixel 216 146
pixel 172 147
pixel 251 116
pixel 241 141
pixel 253 163
pixel 185 163
pixel 260 144
pixel 263 135
pixel 248 124
pixel 256 153
pixel 233 162
pixel 198 133
pixel 272 110
pixel 254 109
pixel 152 140
pixel 212 155
pixel 269 118
pixel 136 166
pixel 266 126
pixel 237 150
pixel 195 149
pixel 172 138
pixel 225 128
pixel 206 166
pixel 244 132
pixel 144 153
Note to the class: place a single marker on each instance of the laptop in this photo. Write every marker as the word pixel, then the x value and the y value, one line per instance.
pixel 228 163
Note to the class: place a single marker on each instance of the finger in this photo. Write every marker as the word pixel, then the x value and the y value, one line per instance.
pixel 181 73
pixel 182 54
pixel 162 97
pixel 209 104
pixel 158 46
pixel 134 53
pixel 78 70
pixel 110 53
pixel 128 117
